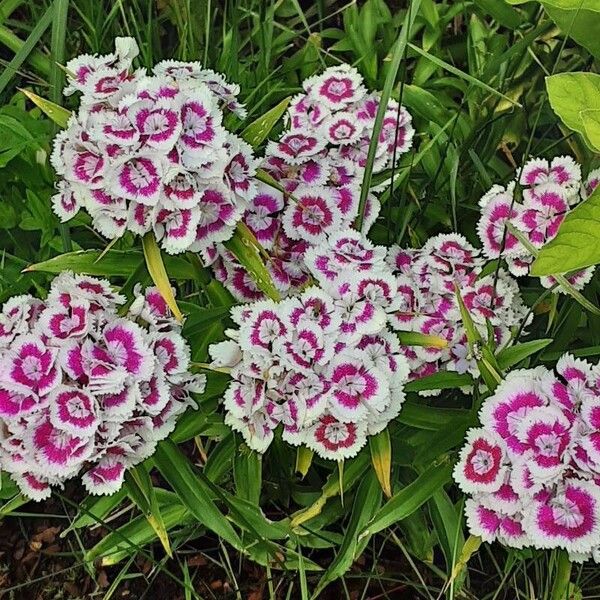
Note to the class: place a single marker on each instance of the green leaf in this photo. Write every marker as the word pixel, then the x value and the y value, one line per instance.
pixel 247 474
pixel 430 418
pixel 57 113
pixel 247 250
pixel 366 502
pixel 113 263
pixel 448 524
pixel 158 272
pixel 564 248
pixel 581 23
pixel 304 457
pixel 381 457
pixel 591 126
pixel 410 498
pixel 192 491
pixel 509 357
pixel 142 492
pixel 570 95
pixel 259 129
pixel 352 473
pixel 439 381
pixel 94 510
pixel 415 338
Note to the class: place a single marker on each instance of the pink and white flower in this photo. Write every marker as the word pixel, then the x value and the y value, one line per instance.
pixel 83 390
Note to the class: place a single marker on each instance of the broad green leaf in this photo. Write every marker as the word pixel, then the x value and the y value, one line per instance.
pixel 570 95
pixel 509 357
pixel 57 113
pixel 247 250
pixel 501 11
pixel 192 491
pixel 259 129
pixel 366 502
pixel 575 247
pixel 156 268
pixel 114 263
pixel 381 457
pixel 410 498
pixel 591 126
pixel 574 4
pixel 581 24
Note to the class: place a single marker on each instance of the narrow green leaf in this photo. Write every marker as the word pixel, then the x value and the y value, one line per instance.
pixel 381 457
pixel 390 80
pixel 439 381
pixel 114 263
pixel 259 129
pixel 156 268
pixel 513 355
pixel 430 418
pixel 415 338
pixel 366 502
pixel 247 474
pixel 469 78
pixel 409 499
pixel 353 472
pixel 57 113
pixel 141 491
pixel 304 458
pixel 247 250
pixel 95 509
pixel 21 55
pixel 192 491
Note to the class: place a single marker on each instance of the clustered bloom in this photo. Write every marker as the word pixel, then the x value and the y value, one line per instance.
pixel 427 279
pixel 84 390
pixel 318 164
pixel 533 469
pixel 150 152
pixel 549 190
pixel 322 364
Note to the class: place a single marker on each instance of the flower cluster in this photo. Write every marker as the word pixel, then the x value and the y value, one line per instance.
pixel 533 469
pixel 150 152
pixel 549 190
pixel 323 364
pixel 427 280
pixel 83 390
pixel 319 163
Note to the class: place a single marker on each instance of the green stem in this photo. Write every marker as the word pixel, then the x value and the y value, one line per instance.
pixel 7 8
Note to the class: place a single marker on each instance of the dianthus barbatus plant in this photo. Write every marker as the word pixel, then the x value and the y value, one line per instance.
pixel 322 364
pixel 428 280
pixel 150 152
pixel 532 470
pixel 318 163
pixel 547 192
pixel 84 390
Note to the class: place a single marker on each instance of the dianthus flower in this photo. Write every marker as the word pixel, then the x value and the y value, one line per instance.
pixel 319 163
pixel 532 470
pixel 323 364
pixel 426 302
pixel 84 390
pixel 150 152
pixel 549 191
